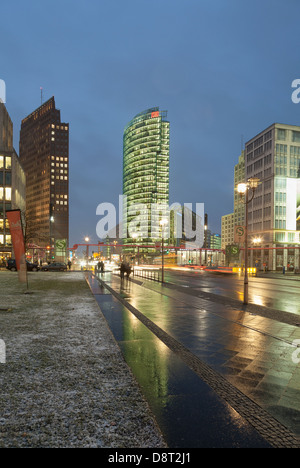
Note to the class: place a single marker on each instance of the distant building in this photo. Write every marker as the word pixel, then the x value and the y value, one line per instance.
pixel 12 182
pixel 215 241
pixel 44 154
pixel 237 218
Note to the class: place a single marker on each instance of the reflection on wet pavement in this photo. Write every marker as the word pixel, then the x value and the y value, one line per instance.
pixel 252 352
pixel 188 412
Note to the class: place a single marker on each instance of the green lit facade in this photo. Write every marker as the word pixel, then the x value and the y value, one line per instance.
pixel 146 144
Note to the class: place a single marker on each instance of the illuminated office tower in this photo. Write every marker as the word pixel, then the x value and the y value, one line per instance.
pixel 146 143
pixel 44 155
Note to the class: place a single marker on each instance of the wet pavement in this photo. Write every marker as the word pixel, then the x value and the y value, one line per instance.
pixel 273 290
pixel 214 375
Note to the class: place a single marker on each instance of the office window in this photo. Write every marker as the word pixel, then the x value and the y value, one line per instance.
pixel 281 134
pixel 8 162
pixel 296 136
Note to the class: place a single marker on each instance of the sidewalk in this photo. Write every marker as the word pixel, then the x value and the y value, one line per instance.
pixel 65 383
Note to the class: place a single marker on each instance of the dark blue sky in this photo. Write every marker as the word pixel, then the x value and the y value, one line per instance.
pixel 222 69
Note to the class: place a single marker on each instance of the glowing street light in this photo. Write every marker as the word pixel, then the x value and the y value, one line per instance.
pixel 243 190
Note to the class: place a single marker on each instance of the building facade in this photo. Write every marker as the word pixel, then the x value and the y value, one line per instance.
pixel 237 218
pixel 44 155
pixel 227 230
pixel 146 143
pixel 273 156
pixel 12 182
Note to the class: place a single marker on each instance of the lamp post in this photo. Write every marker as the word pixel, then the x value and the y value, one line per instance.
pixel 162 222
pixel 243 190
pixel 135 237
pixel 87 239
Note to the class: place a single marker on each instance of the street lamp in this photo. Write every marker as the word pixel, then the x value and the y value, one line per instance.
pixel 243 190
pixel 163 223
pixel 87 239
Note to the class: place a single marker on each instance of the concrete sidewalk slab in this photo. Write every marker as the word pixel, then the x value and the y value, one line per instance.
pixel 65 383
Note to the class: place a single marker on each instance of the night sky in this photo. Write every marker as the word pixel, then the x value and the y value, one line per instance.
pixel 222 69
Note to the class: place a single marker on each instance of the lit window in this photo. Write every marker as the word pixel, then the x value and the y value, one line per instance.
pixel 8 193
pixel 8 162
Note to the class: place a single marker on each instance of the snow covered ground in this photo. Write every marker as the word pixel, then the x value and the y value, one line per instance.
pixel 64 382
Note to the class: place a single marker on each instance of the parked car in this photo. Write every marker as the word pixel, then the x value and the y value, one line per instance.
pixel 55 266
pixel 11 265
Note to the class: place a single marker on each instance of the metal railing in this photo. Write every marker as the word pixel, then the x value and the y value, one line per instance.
pixel 148 273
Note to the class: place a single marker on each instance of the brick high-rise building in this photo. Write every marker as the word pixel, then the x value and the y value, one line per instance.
pixel 44 155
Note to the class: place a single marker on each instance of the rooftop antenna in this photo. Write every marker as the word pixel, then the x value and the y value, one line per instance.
pixel 242 142
pixel 41 95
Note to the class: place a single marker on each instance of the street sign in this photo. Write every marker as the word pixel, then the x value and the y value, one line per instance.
pixel 232 253
pixel 239 234
pixel 60 247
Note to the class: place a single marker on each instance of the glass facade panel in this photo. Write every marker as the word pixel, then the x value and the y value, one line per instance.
pixel 146 163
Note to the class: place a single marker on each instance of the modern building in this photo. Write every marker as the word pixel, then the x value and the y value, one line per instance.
pixel 227 230
pixel 146 151
pixel 215 241
pixel 44 155
pixel 273 156
pixel 12 182
pixel 237 218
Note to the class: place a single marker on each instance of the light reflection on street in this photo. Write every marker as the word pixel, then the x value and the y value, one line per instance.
pixel 246 348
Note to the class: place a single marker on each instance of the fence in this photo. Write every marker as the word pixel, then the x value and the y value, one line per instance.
pixel 148 273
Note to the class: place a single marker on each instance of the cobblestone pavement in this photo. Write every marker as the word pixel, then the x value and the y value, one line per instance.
pixel 255 375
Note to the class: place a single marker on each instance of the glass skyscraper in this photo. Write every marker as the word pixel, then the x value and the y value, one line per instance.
pixel 146 144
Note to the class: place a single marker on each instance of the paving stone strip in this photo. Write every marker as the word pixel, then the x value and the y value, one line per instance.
pixel 271 429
